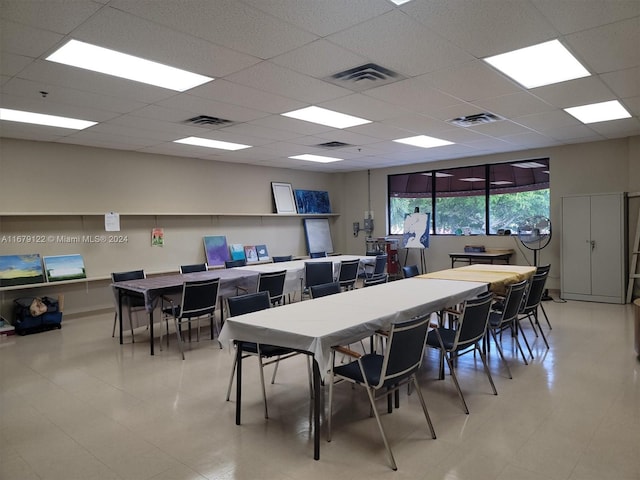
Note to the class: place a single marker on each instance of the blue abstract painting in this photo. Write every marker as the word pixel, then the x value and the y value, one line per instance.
pixel 312 201
pixel 216 249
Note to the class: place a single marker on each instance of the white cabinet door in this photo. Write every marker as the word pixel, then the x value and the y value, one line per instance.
pixel 593 248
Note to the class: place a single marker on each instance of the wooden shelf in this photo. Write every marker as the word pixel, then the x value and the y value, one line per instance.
pixel 176 214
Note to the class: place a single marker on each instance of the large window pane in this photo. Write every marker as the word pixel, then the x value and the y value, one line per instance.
pixel 460 200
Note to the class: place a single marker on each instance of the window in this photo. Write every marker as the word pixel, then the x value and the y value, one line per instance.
pixel 481 199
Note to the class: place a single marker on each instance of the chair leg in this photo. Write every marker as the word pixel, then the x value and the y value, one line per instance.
pixel 504 360
pixel 455 381
pixel 544 337
pixel 115 321
pixel 133 339
pixel 331 380
pixel 546 317
pixel 233 371
pixel 486 368
pixel 514 335
pixel 424 405
pixel 384 436
pixel 180 336
pixel 264 391
pixel 524 337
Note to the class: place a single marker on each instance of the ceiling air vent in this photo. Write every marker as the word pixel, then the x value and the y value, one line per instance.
pixel 475 120
pixel 364 77
pixel 208 121
pixel 333 145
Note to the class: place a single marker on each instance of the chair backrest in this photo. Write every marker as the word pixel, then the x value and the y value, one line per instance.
pixel 348 272
pixel 472 324
pixel 513 301
pixel 199 298
pixel 535 293
pixel 316 273
pixel 325 289
pixel 273 283
pixel 282 258
pixel 131 275
pixel 235 263
pixel 405 350
pixel 317 254
pixel 381 263
pixel 409 271
pixel 543 268
pixel 251 302
pixel 376 280
pixel 197 267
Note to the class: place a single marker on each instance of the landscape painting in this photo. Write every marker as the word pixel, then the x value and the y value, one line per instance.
pixel 20 269
pixel 312 201
pixel 64 267
pixel 216 249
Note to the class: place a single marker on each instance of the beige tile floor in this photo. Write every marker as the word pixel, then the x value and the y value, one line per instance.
pixel 74 404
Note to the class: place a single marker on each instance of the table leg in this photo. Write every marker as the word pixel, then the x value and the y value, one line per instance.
pixel 120 314
pixel 151 331
pixel 238 380
pixel 316 410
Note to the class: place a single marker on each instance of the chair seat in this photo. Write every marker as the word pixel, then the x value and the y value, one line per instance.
pixel 495 319
pixel 372 364
pixel 448 338
pixel 265 350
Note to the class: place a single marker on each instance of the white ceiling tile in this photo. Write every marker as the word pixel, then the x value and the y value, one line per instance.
pixel 228 23
pixel 58 16
pixel 596 47
pixel 291 125
pixel 364 106
pixel 11 64
pixel 202 106
pixel 24 40
pixel 398 43
pixel 414 94
pixel 484 28
pixel 617 128
pixel 500 129
pixel 623 83
pixel 418 124
pixel 575 92
pixel 546 121
pixel 320 59
pixel 570 16
pixel 513 105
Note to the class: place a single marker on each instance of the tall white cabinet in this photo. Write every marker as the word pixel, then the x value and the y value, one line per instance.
pixel 593 248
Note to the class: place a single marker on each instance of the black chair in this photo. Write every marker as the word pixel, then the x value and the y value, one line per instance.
pixel 544 269
pixel 375 280
pixel 529 309
pixel 317 254
pixel 282 258
pixel 348 273
pixel 273 283
pixel 466 337
pixel 199 300
pixel 409 271
pixel 254 302
pixel 235 263
pixel 317 273
pixel 381 375
pixel 499 321
pixel 325 289
pixel 378 268
pixel 198 267
pixel 130 302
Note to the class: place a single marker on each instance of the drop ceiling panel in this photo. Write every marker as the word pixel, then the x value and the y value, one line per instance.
pixel 202 106
pixel 623 83
pixel 364 106
pixel 513 105
pixel 414 94
pixel 11 64
pixel 37 104
pixel 24 40
pixel 484 28
pixel 380 37
pixel 418 124
pixel 575 92
pixel 547 121
pixel 55 16
pixel 228 23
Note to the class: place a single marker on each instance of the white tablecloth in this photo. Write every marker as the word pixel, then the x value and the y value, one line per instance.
pixel 317 325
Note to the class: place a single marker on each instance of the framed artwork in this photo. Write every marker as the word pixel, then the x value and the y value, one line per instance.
pixel 416 230
pixel 263 254
pixel 283 197
pixel 64 267
pixel 237 251
pixel 318 235
pixel 312 201
pixel 251 253
pixel 21 269
pixel 216 249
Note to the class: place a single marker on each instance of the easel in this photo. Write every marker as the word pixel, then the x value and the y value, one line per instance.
pixel 423 260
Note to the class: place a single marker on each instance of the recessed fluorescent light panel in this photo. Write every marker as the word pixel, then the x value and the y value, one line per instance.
pixel 471 179
pixel 400 2
pixel 539 65
pixel 528 165
pixel 599 112
pixel 316 158
pixel 501 182
pixel 326 117
pixel 42 119
pixel 438 174
pixel 424 141
pixel 206 142
pixel 104 60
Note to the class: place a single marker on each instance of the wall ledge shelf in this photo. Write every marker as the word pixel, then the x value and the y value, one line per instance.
pixel 166 214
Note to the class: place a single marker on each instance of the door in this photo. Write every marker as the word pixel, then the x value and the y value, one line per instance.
pixel 576 245
pixel 607 265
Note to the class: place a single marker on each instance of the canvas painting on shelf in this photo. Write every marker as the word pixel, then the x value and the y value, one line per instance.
pixel 237 251
pixel 263 254
pixel 21 269
pixel 64 267
pixel 251 253
pixel 216 249
pixel 312 201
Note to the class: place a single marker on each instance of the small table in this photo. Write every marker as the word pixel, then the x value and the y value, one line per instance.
pixel 480 257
